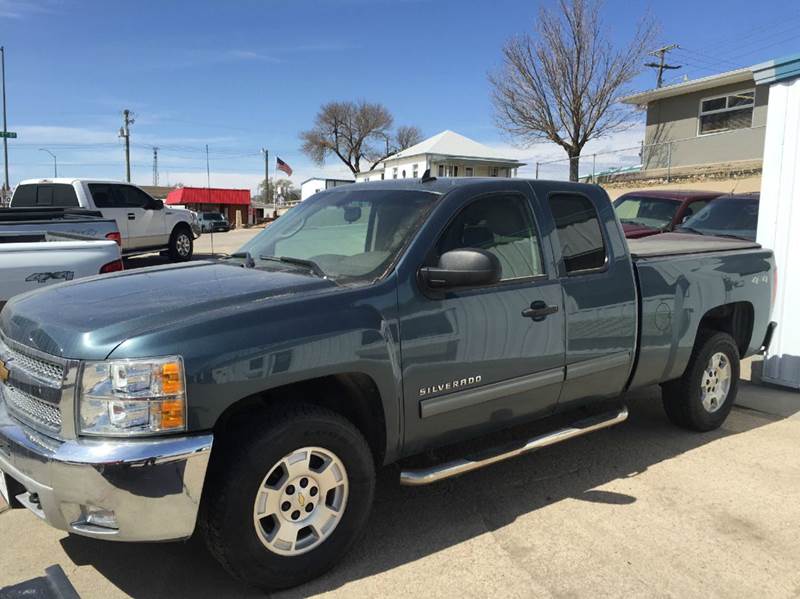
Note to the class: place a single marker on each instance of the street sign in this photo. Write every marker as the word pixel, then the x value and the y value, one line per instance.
pixel 8 134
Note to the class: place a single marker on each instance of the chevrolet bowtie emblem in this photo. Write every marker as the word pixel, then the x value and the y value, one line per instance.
pixel 300 499
pixel 3 372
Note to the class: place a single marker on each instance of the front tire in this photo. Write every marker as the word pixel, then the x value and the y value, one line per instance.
pixel 181 245
pixel 289 497
pixel 702 399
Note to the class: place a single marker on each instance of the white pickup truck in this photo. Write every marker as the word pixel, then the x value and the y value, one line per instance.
pixel 145 224
pixel 31 260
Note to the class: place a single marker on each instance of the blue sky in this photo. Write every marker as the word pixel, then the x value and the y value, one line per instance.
pixel 242 75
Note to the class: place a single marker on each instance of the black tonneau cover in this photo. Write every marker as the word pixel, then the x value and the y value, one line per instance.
pixel 675 244
pixel 47 213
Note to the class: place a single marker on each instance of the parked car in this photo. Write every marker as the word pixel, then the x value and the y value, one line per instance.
pixel 733 215
pixel 650 212
pixel 213 222
pixel 145 224
pixel 253 397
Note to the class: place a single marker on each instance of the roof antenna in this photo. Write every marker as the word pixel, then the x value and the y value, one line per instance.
pixel 426 176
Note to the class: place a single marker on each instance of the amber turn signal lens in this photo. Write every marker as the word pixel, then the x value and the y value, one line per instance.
pixel 171 382
pixel 172 416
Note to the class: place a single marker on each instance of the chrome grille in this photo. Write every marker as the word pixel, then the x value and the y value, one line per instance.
pixel 48 372
pixel 32 409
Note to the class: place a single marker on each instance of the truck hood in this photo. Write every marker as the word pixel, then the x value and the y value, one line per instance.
pixel 87 319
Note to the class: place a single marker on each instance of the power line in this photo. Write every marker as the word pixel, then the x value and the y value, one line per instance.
pixel 661 65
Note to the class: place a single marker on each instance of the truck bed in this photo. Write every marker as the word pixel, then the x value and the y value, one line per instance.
pixel 677 244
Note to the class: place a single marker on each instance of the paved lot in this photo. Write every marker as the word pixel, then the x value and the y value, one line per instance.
pixel 642 509
pixel 204 247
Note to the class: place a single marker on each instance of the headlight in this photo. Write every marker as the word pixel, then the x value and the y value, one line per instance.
pixel 133 397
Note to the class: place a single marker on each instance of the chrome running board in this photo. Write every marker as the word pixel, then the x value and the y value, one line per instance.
pixel 426 476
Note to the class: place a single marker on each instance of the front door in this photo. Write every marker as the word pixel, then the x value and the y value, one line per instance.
pixel 477 359
pixel 146 225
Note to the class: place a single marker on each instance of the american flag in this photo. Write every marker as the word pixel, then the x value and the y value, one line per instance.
pixel 282 166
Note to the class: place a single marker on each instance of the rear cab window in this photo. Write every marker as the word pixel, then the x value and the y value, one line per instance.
pixel 579 233
pixel 32 195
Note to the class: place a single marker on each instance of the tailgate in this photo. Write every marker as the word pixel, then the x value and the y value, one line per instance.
pixel 30 266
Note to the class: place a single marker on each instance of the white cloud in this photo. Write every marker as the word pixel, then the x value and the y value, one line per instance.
pixel 19 9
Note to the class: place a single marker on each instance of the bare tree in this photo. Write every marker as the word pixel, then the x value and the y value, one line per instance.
pixel 562 84
pixel 356 131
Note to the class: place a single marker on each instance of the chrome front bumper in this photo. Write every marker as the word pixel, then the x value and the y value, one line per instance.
pixel 152 486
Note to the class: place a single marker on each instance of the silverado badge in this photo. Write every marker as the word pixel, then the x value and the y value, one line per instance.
pixel 3 372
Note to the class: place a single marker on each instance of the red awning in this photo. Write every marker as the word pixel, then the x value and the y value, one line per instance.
pixel 204 195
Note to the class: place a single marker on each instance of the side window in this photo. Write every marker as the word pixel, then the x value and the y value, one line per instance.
pixel 694 208
pixel 64 196
pixel 579 233
pixel 502 225
pixel 103 195
pixel 132 197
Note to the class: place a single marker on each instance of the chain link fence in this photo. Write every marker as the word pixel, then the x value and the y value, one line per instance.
pixel 660 159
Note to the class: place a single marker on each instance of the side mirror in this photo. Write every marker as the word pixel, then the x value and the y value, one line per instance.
pixel 462 268
pixel 156 205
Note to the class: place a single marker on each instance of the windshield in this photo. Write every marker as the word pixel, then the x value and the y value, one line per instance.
pixel 649 212
pixel 349 235
pixel 732 216
pixel 212 216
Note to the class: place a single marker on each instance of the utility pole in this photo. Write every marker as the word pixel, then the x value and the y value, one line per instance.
pixel 266 174
pixel 660 65
pixel 6 186
pixel 208 194
pixel 125 133
pixel 155 165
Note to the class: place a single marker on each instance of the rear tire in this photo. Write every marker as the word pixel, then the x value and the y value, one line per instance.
pixel 704 396
pixel 181 245
pixel 260 524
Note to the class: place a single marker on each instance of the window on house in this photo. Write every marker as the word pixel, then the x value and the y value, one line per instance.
pixel 394 173
pixel 579 234
pixel 494 172
pixel 726 113
pixel 415 172
pixel 455 171
pixel 381 176
pixel 441 170
pixel 468 171
pixel 404 173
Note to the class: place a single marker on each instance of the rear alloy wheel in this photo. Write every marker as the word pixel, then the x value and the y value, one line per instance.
pixel 703 397
pixel 181 245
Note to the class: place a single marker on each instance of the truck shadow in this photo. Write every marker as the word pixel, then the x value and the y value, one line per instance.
pixel 410 523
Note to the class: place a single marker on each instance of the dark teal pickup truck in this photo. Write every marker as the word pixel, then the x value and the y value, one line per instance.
pixel 253 397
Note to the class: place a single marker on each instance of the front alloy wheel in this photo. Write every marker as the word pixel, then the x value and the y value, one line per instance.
pixel 287 494
pixel 301 501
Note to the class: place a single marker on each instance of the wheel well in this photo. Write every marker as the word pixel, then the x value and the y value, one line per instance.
pixel 353 395
pixel 178 226
pixel 736 319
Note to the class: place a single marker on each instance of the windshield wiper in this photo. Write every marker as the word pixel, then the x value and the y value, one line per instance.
pixel 248 258
pixel 309 264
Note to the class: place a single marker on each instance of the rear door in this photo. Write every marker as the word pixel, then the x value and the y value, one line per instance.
pixel 599 293
pixel 110 205
pixel 471 360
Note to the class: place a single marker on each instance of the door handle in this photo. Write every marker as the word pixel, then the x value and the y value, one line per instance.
pixel 539 311
pixel 131 216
